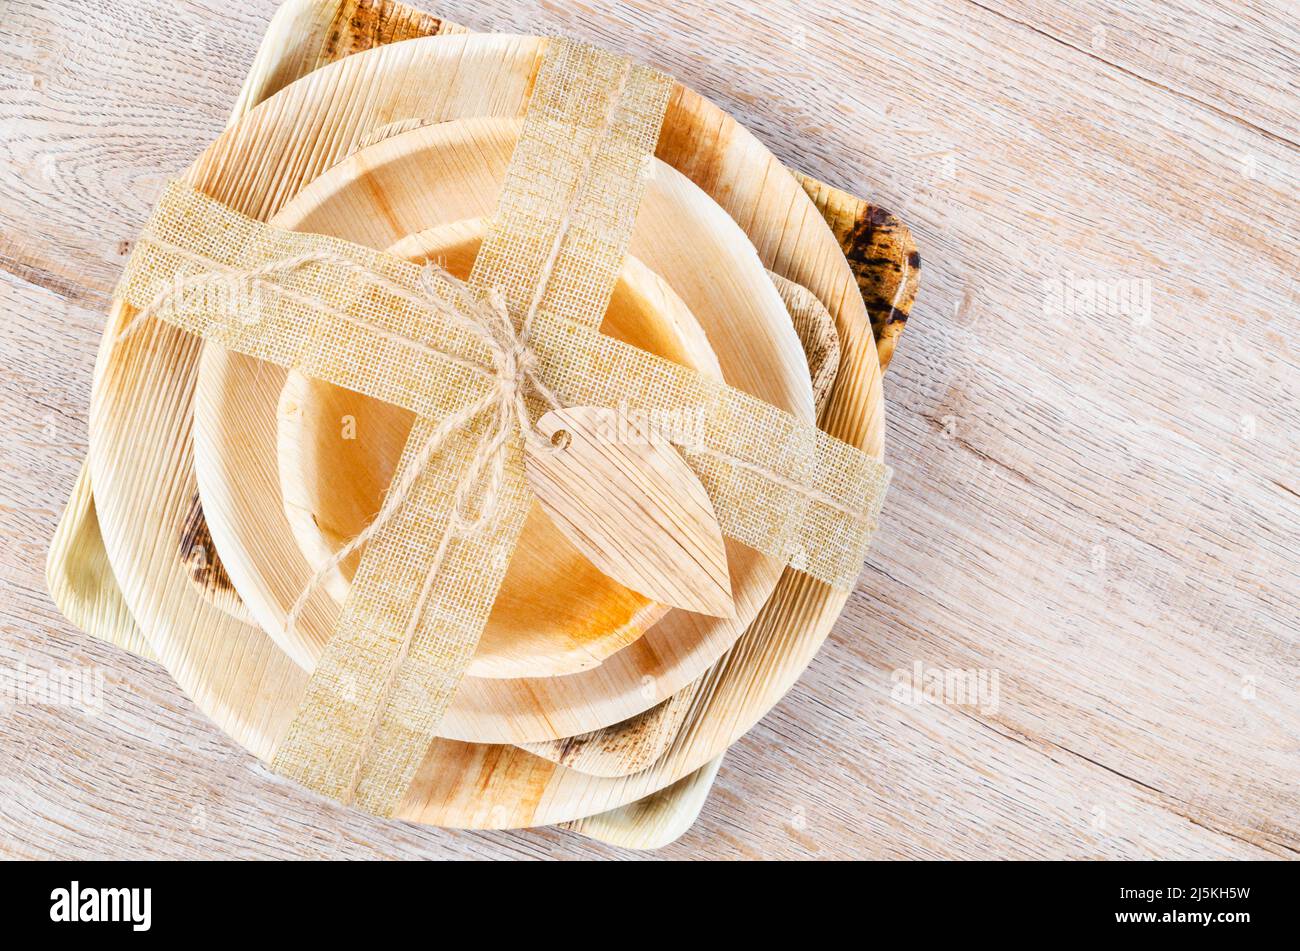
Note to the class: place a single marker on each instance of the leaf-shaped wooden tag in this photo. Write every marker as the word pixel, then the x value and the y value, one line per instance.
pixel 629 502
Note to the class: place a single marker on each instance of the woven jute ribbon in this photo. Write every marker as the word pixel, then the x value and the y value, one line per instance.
pixel 365 320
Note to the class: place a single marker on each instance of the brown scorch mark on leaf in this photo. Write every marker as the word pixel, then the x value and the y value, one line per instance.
pixel 360 25
pixel 199 555
pixel 882 256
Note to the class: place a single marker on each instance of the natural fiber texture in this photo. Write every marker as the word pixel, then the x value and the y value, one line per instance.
pixel 579 169
pixel 355 317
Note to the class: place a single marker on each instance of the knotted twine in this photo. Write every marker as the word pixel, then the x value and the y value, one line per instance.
pixel 406 632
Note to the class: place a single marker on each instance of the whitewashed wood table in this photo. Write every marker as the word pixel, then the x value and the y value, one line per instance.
pixel 1093 418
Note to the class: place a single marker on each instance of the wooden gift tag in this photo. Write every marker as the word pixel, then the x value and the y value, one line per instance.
pixel 629 502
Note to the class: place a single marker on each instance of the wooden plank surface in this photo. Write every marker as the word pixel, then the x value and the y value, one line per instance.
pixel 1098 502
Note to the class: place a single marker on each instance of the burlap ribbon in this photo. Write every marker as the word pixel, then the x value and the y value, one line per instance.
pixel 360 319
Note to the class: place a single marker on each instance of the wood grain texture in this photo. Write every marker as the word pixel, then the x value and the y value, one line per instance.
pixel 1102 509
pixel 308 37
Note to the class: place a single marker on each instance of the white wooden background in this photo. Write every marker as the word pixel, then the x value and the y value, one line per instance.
pixel 1101 507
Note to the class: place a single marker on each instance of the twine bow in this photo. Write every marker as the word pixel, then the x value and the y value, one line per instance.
pixel 515 376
